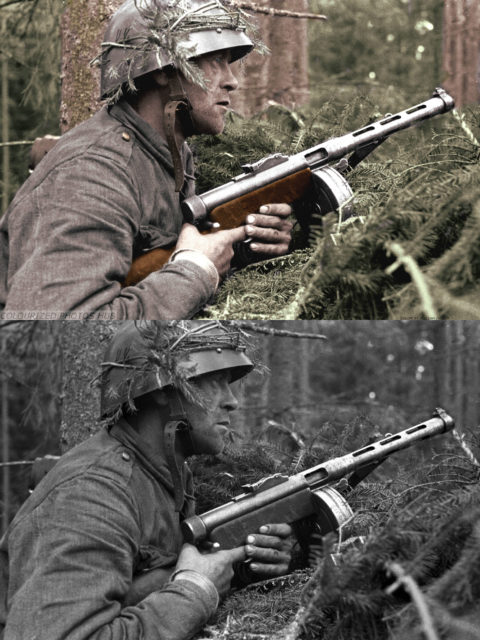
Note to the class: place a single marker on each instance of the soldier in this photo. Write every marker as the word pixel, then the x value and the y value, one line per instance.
pixel 111 188
pixel 96 551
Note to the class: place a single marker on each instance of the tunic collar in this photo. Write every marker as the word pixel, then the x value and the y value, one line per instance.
pixel 152 463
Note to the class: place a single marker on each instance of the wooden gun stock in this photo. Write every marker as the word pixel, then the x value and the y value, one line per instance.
pixel 229 216
pixel 145 264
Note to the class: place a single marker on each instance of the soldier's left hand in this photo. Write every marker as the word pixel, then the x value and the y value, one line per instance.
pixel 270 230
pixel 270 550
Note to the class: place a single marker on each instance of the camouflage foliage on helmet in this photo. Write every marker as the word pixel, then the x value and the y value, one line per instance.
pixel 157 355
pixel 167 27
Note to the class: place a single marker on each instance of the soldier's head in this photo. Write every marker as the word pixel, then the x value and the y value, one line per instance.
pixel 183 370
pixel 183 47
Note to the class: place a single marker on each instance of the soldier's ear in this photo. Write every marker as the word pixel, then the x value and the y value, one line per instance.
pixel 159 397
pixel 160 78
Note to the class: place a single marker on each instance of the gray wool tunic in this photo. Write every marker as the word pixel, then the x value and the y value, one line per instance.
pixel 103 195
pixel 100 518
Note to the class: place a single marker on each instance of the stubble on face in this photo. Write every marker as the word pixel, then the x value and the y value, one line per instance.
pixel 210 423
pixel 209 107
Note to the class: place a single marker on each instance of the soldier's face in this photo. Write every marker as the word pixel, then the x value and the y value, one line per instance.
pixel 210 425
pixel 210 107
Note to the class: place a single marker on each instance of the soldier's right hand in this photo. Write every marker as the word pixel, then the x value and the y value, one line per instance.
pixel 217 565
pixel 217 246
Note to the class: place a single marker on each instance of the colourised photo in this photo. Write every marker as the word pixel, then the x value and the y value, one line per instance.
pixel 219 159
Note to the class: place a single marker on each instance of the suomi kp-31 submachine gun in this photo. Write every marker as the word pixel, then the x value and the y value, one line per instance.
pixel 281 178
pixel 280 498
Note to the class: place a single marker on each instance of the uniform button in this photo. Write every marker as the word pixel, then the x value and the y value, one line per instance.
pixel 126 456
pixel 126 136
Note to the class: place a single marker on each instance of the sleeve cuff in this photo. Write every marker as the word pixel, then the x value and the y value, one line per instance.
pixel 201 581
pixel 201 260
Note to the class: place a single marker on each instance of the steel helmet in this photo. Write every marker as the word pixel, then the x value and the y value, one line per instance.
pixel 145 35
pixel 146 356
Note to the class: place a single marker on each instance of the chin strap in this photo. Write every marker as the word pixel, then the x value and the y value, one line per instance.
pixel 178 103
pixel 177 422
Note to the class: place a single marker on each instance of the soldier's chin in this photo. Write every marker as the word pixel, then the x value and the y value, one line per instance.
pixel 212 446
pixel 210 127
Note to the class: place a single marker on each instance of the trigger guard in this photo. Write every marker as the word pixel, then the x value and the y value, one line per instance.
pixel 331 192
pixel 332 510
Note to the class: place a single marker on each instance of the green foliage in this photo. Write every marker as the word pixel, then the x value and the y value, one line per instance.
pixel 31 44
pixel 419 192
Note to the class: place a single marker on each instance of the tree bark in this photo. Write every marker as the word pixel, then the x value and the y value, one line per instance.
pixel 461 50
pixel 282 76
pixel 83 25
pixel 280 382
pixel 83 345
pixel 459 374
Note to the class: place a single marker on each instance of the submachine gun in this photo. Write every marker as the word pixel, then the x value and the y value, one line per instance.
pixel 280 498
pixel 282 178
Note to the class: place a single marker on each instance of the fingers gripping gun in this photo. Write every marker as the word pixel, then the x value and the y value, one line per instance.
pixel 285 179
pixel 280 498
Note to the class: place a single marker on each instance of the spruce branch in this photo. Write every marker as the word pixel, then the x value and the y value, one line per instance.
pixel 296 627
pixel 413 269
pixel 405 580
pixel 10 2
pixel 460 438
pixel 16 143
pixel 280 13
pixel 460 118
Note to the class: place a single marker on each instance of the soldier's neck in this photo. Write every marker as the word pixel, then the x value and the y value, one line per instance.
pixel 149 423
pixel 150 106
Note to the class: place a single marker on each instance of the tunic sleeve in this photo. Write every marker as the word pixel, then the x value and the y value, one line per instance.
pixel 76 232
pixel 71 565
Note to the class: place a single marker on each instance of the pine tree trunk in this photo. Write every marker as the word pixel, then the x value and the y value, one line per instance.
pixel 443 368
pixel 5 133
pixel 281 76
pixel 280 382
pixel 472 376
pixel 83 25
pixel 459 375
pixel 5 440
pixel 83 345
pixel 251 392
pixel 461 50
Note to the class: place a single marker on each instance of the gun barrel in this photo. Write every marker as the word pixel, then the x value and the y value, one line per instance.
pixel 270 170
pixel 337 148
pixel 197 528
pixel 336 468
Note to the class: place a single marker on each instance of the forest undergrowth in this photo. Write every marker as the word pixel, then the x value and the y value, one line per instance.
pixel 413 250
pixel 415 571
